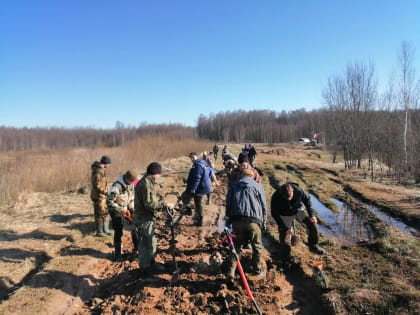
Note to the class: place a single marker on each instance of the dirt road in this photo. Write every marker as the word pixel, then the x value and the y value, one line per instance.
pixel 51 263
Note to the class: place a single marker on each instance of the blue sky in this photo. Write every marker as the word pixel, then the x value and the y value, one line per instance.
pixel 88 63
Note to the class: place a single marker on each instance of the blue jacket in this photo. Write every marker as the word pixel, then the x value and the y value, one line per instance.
pixel 246 198
pixel 199 178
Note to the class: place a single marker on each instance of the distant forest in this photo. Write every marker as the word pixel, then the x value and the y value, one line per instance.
pixel 15 139
pixel 375 135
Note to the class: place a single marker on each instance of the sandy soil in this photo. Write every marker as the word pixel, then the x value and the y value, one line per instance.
pixel 51 262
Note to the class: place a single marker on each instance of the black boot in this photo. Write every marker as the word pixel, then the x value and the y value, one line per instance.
pixel 117 254
pixel 198 221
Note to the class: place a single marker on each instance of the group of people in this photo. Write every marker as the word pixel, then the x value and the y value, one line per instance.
pixel 131 201
pixel 246 213
pixel 135 201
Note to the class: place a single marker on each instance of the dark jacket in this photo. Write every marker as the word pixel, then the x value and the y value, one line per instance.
pixel 246 199
pixel 198 181
pixel 147 202
pixel 280 206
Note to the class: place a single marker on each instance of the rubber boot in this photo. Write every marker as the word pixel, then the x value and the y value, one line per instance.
pixel 100 228
pixel 117 254
pixel 106 227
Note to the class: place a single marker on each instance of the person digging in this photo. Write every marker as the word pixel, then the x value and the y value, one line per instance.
pixel 287 204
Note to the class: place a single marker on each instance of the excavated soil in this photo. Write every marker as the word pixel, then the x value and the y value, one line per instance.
pixel 52 263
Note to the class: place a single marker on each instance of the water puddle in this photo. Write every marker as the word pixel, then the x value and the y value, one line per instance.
pixel 344 225
pixel 348 225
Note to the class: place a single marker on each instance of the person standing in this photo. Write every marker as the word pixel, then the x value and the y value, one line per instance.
pixel 209 158
pixel 252 153
pixel 215 151
pixel 98 195
pixel 147 204
pixel 198 186
pixel 120 203
pixel 246 210
pixel 287 204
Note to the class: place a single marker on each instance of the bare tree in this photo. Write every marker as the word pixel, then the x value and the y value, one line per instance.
pixel 407 98
pixel 350 97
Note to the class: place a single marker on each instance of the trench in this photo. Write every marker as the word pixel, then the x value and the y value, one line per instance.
pixel 349 225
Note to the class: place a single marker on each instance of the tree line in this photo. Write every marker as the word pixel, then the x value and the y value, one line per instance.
pixel 15 139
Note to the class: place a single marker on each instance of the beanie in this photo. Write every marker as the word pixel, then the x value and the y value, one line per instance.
pixel 105 159
pixel 243 158
pixel 193 154
pixel 131 175
pixel 154 168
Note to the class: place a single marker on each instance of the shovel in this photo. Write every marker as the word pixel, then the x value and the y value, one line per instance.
pixel 172 243
pixel 241 271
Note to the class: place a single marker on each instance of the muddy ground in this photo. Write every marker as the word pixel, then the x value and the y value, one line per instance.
pixel 51 262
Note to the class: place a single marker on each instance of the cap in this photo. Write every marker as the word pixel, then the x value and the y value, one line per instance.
pixel 105 159
pixel 131 175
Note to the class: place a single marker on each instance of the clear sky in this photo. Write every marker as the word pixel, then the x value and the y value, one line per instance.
pixel 90 63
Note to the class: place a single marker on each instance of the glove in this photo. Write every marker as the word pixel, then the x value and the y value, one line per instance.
pixel 192 192
pixel 126 214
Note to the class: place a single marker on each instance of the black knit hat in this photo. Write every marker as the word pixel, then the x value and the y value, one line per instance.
pixel 154 168
pixel 243 158
pixel 105 159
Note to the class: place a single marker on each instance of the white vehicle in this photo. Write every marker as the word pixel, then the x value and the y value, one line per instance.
pixel 304 141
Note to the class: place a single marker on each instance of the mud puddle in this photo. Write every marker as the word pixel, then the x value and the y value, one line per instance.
pixel 380 215
pixel 349 225
pixel 346 225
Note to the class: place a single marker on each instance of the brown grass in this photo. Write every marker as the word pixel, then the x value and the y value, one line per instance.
pixel 64 170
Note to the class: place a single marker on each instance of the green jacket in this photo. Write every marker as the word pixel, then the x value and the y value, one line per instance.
pixel 146 202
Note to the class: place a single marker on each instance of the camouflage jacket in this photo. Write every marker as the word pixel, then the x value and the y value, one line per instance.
pixel 120 197
pixel 99 182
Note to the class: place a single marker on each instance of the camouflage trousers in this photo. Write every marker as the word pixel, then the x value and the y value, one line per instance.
pixel 100 209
